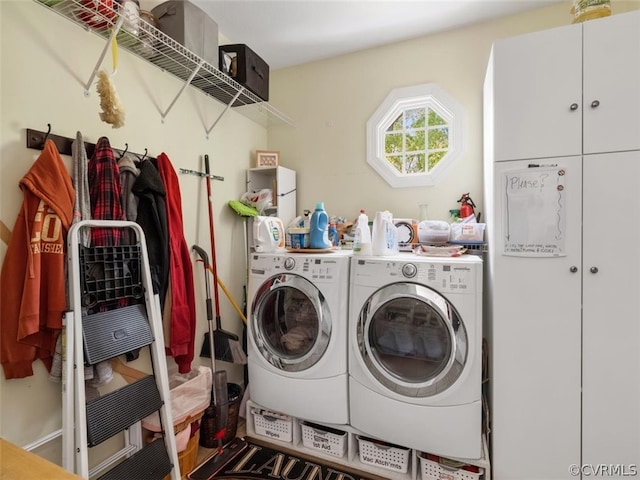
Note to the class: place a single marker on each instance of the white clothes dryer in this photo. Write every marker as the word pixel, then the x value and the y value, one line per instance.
pixel 415 352
pixel 297 342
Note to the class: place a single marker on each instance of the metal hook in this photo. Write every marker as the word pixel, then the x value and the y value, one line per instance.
pixel 46 134
pixel 144 156
pixel 126 147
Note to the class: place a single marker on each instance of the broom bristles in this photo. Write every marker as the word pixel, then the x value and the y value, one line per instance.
pixel 225 347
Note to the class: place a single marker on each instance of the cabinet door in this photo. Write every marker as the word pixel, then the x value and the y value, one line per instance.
pixel 537 79
pixel 535 343
pixel 611 310
pixel 612 84
pixel 286 181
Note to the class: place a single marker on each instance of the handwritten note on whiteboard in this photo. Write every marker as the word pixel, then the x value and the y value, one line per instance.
pixel 534 212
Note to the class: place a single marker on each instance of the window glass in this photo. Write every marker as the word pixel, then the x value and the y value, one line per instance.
pixel 415 134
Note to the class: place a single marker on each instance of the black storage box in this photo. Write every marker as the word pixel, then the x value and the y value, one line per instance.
pixel 245 67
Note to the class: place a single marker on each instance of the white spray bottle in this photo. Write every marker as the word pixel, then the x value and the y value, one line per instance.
pixel 362 235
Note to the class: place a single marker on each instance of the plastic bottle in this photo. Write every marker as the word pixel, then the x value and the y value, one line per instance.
pixel 318 228
pixel 334 238
pixel 384 238
pixel 362 235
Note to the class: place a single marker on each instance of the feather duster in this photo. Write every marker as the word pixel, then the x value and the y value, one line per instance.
pixel 112 111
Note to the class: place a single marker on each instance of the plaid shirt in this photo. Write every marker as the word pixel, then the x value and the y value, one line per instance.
pixel 104 192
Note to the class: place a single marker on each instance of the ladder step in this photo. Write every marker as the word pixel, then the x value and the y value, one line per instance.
pixel 110 274
pixel 121 408
pixel 115 332
pixel 150 463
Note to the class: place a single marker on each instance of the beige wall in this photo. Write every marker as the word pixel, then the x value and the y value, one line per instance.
pixel 332 100
pixel 45 62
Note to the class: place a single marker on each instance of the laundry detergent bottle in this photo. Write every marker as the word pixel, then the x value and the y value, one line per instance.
pixel 362 236
pixel 319 228
pixel 384 237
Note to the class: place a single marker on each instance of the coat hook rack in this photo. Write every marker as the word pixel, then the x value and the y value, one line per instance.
pixel 37 138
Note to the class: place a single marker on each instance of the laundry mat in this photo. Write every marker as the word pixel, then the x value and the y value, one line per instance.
pixel 256 459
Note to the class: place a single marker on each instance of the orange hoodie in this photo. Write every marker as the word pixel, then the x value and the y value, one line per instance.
pixel 33 282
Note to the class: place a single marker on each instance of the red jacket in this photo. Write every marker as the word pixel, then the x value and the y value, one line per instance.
pixel 182 304
pixel 33 280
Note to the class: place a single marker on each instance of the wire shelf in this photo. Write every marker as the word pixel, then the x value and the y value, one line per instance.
pixel 147 42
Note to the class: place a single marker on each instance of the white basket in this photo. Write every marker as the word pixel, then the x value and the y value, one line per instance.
pixel 383 455
pixel 272 425
pixel 445 469
pixel 331 443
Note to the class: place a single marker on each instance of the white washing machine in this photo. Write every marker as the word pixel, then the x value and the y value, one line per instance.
pixel 415 352
pixel 297 342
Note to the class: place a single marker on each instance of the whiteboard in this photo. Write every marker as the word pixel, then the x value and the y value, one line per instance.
pixel 534 212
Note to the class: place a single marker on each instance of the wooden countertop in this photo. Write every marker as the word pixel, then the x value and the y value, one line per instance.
pixel 18 464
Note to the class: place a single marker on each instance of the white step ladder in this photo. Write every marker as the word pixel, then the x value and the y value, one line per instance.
pixel 109 279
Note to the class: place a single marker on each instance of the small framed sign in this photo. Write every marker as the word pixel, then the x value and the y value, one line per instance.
pixel 267 159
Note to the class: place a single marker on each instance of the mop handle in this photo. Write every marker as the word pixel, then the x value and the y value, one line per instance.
pixel 211 234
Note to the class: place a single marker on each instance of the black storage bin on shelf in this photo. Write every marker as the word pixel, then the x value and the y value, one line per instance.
pixel 245 67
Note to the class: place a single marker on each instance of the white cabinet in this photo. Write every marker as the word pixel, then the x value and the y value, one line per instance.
pixel 282 182
pixel 542 99
pixel 565 329
pixel 611 309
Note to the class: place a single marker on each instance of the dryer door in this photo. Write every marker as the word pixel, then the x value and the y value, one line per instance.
pixel 290 322
pixel 412 339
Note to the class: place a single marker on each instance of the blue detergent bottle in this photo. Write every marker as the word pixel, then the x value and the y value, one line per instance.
pixel 318 228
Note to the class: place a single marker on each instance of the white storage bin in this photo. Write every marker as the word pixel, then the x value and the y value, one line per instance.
pixel 273 425
pixel 433 467
pixel 433 232
pixel 467 232
pixel 190 395
pixel 324 439
pixel 383 455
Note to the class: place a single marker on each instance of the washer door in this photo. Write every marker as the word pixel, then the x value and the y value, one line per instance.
pixel 290 322
pixel 412 340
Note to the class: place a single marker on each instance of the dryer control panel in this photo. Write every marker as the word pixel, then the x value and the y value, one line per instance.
pixel 318 269
pixel 455 277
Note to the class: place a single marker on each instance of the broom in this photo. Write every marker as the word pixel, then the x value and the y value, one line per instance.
pixel 228 347
pixel 227 344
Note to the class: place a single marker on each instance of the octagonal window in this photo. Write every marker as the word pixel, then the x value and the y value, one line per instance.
pixel 414 135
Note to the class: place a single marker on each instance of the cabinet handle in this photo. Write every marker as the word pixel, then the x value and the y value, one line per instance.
pixel 595 104
pixel 573 269
pixel 593 269
pixel 574 106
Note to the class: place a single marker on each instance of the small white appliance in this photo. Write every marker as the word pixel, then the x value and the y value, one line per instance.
pixel 415 352
pixel 268 234
pixel 297 342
